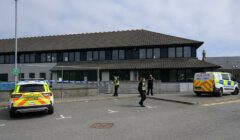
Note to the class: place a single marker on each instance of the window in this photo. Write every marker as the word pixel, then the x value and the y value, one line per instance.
pixel 108 55
pixel 164 52
pixel 83 56
pixel 95 55
pixel 225 76
pixel 142 53
pixel 59 57
pixel 156 53
pixel 193 51
pixel 1 59
pixel 114 54
pixel 12 58
pixel 179 52
pixel 149 53
pixel 49 57
pixel 4 77
pixel 102 55
pixel 54 57
pixel 31 88
pixel 135 54
pixel 121 54
pixel 65 57
pixel 42 75
pixel 31 75
pixel 181 75
pixel 89 56
pixel 43 57
pixel 189 75
pixel 77 56
pixel 21 58
pixel 173 75
pixel 21 76
pixel 32 58
pixel 71 56
pixel 187 51
pixel 171 52
pixel 27 58
pixel 7 59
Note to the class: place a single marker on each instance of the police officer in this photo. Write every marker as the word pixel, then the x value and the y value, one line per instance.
pixel 142 90
pixel 150 84
pixel 116 85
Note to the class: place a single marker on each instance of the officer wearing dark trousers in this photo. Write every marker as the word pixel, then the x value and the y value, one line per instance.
pixel 142 91
pixel 150 84
pixel 116 85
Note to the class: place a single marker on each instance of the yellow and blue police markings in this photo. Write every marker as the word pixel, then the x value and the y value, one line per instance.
pixel 227 84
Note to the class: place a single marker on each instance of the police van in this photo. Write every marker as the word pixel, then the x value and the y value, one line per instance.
pixel 215 83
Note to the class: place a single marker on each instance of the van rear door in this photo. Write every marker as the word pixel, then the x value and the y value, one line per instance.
pixel 203 82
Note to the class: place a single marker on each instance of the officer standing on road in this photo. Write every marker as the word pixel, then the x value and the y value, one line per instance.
pixel 150 84
pixel 116 85
pixel 142 90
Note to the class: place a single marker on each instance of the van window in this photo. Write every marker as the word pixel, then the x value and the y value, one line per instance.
pixel 225 77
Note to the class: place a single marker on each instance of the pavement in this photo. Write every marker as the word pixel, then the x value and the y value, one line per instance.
pixel 179 97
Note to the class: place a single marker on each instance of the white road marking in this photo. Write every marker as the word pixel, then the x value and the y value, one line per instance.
pixel 115 99
pixel 151 107
pixel 227 102
pixel 62 117
pixel 86 101
pixel 111 111
pixel 1 125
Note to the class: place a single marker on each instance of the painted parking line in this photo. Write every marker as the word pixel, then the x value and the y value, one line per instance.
pixel 220 103
pixel 1 125
pixel 112 111
pixel 150 107
pixel 63 117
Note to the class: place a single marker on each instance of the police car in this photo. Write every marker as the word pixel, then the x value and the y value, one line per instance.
pixel 31 96
pixel 216 83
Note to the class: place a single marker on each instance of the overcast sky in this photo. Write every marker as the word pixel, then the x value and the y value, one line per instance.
pixel 216 22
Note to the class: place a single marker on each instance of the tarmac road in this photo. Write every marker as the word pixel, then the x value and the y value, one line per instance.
pixel 160 120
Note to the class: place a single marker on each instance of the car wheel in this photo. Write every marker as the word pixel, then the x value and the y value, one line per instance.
pixel 198 94
pixel 51 110
pixel 220 93
pixel 236 91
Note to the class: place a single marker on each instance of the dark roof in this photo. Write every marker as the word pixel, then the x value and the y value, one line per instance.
pixel 95 40
pixel 137 64
pixel 227 62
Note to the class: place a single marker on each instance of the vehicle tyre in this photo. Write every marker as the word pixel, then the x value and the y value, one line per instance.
pixel 51 110
pixel 198 94
pixel 236 91
pixel 220 93
pixel 12 113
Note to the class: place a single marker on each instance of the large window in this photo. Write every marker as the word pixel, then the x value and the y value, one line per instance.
pixel 38 58
pixel 21 60
pixel 27 58
pixel 54 57
pixel 114 54
pixel 173 75
pixel 32 58
pixel 7 59
pixel 156 53
pixel 71 56
pixel 49 57
pixel 77 56
pixel 95 55
pixel 193 51
pixel 43 57
pixel 83 56
pixel 12 58
pixel 121 54
pixel 123 74
pixel 65 57
pixel 1 59
pixel 59 57
pixel 179 52
pixel 132 54
pixel 31 75
pixel 164 52
pixel 149 53
pixel 108 55
pixel 42 75
pixel 171 52
pixel 187 51
pixel 142 53
pixel 102 55
pixel 89 56
pixel 181 75
pixel 189 75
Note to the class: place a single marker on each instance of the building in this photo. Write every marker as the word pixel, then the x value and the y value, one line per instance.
pixel 228 64
pixel 128 54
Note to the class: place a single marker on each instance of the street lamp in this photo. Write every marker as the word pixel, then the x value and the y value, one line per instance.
pixel 15 71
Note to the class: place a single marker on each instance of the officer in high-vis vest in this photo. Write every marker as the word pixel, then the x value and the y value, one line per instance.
pixel 116 85
pixel 142 91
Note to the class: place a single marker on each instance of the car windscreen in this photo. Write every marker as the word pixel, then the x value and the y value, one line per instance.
pixel 31 88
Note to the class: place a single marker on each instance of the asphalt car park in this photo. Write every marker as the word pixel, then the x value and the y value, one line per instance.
pixel 124 119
